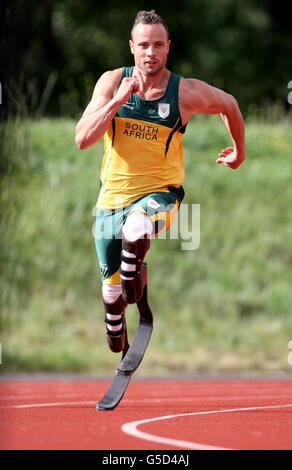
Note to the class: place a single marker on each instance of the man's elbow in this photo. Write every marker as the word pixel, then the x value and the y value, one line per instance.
pixel 80 142
pixel 80 139
pixel 84 141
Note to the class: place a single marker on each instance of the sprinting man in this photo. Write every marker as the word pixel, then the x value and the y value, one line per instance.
pixel 142 112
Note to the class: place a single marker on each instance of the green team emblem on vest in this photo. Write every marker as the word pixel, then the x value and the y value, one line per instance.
pixel 163 110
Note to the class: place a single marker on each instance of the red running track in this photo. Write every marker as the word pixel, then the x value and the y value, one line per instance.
pixel 153 415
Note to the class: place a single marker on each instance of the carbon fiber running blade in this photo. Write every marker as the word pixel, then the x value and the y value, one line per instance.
pixel 127 367
pixel 115 393
pixel 137 349
pixel 131 360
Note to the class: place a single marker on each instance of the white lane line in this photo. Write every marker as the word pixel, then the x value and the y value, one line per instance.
pixel 131 427
pixel 43 396
pixel 43 405
pixel 168 398
pixel 199 398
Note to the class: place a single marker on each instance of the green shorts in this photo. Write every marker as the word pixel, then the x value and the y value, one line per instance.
pixel 161 207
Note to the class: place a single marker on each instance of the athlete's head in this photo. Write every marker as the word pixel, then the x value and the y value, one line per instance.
pixel 149 42
pixel 149 17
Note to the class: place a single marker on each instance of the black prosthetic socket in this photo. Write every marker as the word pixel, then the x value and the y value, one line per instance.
pixel 117 340
pixel 132 289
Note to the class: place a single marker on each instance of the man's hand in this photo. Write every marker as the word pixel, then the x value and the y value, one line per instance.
pixel 230 157
pixel 129 85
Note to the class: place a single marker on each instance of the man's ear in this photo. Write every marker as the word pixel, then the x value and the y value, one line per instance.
pixel 131 46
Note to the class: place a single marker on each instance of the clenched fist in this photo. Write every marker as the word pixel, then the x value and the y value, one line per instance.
pixel 128 86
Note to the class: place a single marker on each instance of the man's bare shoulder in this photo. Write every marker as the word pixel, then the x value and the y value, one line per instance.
pixel 112 75
pixel 108 82
pixel 192 95
pixel 189 82
pixel 193 86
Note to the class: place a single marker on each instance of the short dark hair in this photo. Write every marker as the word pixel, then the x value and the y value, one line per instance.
pixel 149 17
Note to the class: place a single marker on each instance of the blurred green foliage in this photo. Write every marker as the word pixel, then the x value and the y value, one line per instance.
pixel 59 48
pixel 225 306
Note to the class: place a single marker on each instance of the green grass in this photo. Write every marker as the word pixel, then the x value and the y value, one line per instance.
pixel 223 307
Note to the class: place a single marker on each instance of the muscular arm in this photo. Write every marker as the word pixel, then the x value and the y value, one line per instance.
pixel 199 97
pixel 102 107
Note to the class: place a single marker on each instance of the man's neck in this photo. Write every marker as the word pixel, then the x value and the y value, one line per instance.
pixel 151 85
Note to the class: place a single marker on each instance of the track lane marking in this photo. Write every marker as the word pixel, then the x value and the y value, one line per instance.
pixel 131 427
pixel 4 398
pixel 44 405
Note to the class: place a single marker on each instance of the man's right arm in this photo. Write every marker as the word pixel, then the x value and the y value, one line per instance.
pixel 103 107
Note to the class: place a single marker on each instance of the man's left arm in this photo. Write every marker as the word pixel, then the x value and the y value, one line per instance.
pixel 199 97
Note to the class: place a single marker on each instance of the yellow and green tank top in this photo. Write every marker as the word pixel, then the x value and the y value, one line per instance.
pixel 143 148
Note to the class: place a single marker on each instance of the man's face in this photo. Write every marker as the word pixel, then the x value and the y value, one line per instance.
pixel 150 46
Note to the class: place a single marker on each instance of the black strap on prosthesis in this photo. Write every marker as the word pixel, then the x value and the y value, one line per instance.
pixel 134 261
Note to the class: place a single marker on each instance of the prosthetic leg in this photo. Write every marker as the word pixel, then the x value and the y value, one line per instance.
pixel 134 354
pixel 116 325
pixel 135 244
pixel 134 280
